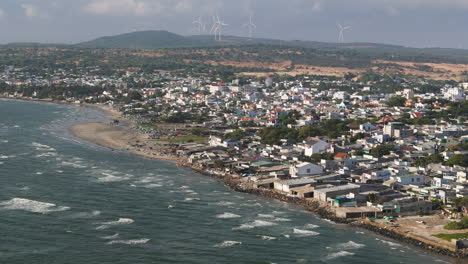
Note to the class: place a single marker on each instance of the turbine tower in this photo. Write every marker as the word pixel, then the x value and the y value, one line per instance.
pixel 342 31
pixel 251 26
pixel 217 28
pixel 200 27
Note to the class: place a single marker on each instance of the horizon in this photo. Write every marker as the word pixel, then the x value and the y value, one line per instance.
pixel 413 23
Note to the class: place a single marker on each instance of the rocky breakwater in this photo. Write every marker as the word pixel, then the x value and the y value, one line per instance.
pixel 405 238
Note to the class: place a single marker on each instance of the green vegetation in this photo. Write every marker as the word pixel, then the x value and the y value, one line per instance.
pixel 381 150
pixel 458 159
pixel 433 158
pixel 396 101
pixel 449 237
pixel 463 224
pixel 460 202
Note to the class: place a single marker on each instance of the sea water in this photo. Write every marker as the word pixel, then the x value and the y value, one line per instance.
pixel 63 200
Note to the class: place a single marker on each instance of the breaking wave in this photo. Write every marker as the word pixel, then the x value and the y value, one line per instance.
pixel 304 233
pixel 227 216
pixel 32 206
pixel 228 244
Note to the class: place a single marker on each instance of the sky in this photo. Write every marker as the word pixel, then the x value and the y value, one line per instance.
pixel 415 23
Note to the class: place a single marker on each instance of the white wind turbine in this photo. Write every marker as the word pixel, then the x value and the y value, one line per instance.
pixel 200 27
pixel 251 26
pixel 342 30
pixel 217 27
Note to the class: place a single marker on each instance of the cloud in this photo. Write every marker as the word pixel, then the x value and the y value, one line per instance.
pixel 317 6
pixel 137 7
pixel 31 11
pixel 2 13
pixel 123 7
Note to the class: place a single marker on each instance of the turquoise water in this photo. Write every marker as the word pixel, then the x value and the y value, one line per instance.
pixel 66 201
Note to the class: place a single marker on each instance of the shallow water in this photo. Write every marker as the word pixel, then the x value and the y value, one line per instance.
pixel 66 201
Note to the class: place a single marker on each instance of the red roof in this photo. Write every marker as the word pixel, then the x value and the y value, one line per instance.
pixel 341 155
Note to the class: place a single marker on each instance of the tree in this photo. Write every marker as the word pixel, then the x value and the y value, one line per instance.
pixel 458 159
pixel 381 150
pixel 396 101
pixel 218 164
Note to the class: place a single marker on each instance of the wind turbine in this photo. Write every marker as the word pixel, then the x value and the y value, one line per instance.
pixel 251 26
pixel 200 27
pixel 342 30
pixel 217 27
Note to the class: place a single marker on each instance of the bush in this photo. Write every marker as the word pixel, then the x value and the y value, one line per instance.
pixel 463 224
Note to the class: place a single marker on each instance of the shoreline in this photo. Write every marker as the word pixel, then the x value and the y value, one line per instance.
pixel 120 139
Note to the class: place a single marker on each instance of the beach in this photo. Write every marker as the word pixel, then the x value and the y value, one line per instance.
pixel 121 139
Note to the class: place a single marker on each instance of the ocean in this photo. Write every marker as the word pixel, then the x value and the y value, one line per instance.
pixel 63 200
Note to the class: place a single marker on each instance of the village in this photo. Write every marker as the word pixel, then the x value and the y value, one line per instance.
pixel 359 153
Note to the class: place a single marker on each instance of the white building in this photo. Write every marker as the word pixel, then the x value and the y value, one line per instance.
pixel 305 169
pixel 410 179
pixel 315 146
pixel 453 93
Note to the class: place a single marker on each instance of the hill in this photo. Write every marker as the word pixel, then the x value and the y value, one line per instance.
pixel 153 39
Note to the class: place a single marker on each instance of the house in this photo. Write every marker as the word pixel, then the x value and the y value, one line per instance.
pixel 332 192
pixel 315 146
pixel 415 179
pixel 287 185
pixel 305 169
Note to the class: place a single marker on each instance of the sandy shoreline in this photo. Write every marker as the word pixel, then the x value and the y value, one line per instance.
pixel 121 139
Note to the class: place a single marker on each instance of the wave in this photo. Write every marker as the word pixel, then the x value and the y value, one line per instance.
pixel 32 206
pixel 224 203
pixel 254 224
pixel 42 147
pixel 388 243
pixel 304 233
pixel 121 221
pixel 350 245
pixel 86 214
pixel 338 254
pixel 311 226
pixel 130 241
pixel 188 199
pixel 47 154
pixel 114 236
pixel 111 178
pixel 227 216
pixel 228 244
pixel 267 237
pixel 153 185
pixel 75 164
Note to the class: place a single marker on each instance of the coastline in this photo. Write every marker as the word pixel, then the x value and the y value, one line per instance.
pixel 132 141
pixel 118 138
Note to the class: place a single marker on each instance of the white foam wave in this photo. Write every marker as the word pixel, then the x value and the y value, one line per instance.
pixel 227 216
pixel 338 254
pixel 388 242
pixel 224 203
pixel 266 216
pixel 86 214
pixel 267 237
pixel 32 206
pixel 73 164
pixel 42 147
pixel 311 226
pixel 350 245
pixel 114 236
pixel 153 185
pixel 228 244
pixel 188 199
pixel 111 178
pixel 304 233
pixel 39 173
pixel 254 224
pixel 130 241
pixel 121 221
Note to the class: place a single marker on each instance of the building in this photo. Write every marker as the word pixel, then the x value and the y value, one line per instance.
pixel 323 194
pixel 305 169
pixel 315 146
pixel 411 179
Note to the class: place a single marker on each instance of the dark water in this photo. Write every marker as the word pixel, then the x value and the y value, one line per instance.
pixel 66 201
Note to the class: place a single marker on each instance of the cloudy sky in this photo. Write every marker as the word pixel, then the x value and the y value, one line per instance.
pixel 419 23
